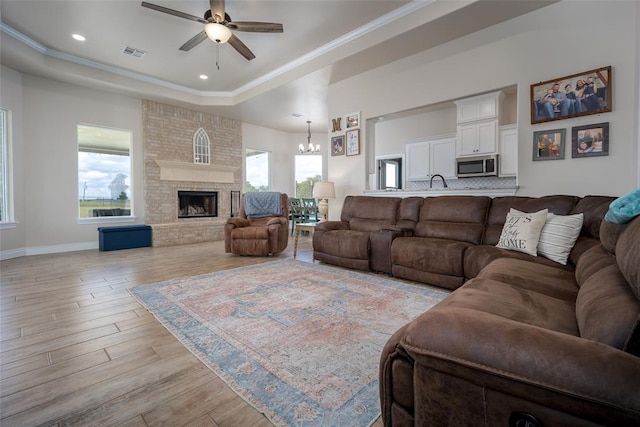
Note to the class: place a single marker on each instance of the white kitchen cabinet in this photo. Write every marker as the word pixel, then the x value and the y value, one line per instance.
pixel 508 150
pixel 482 107
pixel 429 157
pixel 477 138
pixel 477 119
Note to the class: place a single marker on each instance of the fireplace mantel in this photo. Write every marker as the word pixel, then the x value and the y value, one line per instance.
pixel 181 171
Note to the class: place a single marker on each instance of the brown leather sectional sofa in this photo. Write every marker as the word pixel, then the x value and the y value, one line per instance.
pixel 521 339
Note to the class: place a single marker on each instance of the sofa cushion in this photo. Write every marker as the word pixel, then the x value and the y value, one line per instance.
pixel 552 280
pixel 558 236
pixel 592 261
pixel 434 255
pixel 453 217
pixel 479 256
pixel 500 206
pixel 409 212
pixel 606 309
pixel 521 231
pixel 343 243
pixel 510 301
pixel 383 209
pixel 594 209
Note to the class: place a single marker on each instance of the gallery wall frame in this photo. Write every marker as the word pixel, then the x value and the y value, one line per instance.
pixel 352 121
pixel 576 95
pixel 337 145
pixel 353 142
pixel 549 144
pixel 590 140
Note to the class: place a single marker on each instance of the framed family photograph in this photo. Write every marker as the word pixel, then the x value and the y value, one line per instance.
pixel 549 144
pixel 337 145
pixel 590 140
pixel 352 121
pixel 576 95
pixel 353 142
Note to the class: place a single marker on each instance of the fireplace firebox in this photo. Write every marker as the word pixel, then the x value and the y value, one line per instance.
pixel 197 204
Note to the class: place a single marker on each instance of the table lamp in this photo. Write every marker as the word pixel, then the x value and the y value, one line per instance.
pixel 324 190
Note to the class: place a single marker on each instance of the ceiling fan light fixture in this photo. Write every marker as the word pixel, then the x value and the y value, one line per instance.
pixel 217 32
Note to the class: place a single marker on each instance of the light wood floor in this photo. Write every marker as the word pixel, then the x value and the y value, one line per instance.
pixel 77 349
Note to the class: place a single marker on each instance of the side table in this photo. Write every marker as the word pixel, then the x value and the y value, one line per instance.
pixel 302 226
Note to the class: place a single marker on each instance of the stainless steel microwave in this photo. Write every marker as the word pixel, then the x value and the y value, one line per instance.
pixel 477 166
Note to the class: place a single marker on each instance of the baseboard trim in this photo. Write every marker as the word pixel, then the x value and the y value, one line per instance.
pixel 43 250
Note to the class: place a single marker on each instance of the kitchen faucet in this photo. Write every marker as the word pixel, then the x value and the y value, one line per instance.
pixel 443 181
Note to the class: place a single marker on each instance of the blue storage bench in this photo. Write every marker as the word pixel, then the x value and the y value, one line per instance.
pixel 124 237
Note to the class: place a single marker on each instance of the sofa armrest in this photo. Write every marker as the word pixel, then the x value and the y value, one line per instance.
pixel 380 241
pixel 331 225
pixel 279 220
pixel 527 357
pixel 400 231
pixel 238 222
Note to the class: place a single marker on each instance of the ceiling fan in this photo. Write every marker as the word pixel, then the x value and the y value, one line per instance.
pixel 218 26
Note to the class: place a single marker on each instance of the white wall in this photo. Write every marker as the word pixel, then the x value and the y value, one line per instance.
pixel 283 147
pixel 12 238
pixel 539 46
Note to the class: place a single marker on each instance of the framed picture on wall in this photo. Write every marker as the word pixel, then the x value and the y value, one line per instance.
pixel 352 120
pixel 337 145
pixel 590 140
pixel 576 95
pixel 549 144
pixel 353 142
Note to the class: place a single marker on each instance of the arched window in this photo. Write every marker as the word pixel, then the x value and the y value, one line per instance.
pixel 201 147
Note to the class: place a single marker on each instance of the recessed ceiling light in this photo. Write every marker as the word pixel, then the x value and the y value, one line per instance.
pixel 79 37
pixel 204 76
pixel 296 115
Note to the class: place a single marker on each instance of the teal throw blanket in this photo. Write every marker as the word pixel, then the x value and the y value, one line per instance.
pixel 624 209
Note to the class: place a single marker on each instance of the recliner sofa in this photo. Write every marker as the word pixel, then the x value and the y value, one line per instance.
pixel 521 339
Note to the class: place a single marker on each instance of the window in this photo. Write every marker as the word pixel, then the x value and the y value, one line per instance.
pixel 5 213
pixel 104 172
pixel 201 147
pixel 390 174
pixel 257 167
pixel 308 171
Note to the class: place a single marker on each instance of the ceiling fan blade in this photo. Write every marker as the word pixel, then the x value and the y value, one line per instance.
pixel 194 41
pixel 241 47
pixel 256 27
pixel 173 12
pixel 217 8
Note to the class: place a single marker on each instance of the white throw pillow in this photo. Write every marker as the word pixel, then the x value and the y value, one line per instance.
pixel 521 231
pixel 558 236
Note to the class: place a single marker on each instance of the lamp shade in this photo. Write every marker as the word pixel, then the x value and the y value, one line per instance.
pixel 217 32
pixel 324 190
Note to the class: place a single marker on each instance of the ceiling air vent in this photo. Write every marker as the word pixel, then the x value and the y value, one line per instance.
pixel 132 51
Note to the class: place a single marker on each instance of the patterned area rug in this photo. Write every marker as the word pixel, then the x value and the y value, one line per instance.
pixel 300 342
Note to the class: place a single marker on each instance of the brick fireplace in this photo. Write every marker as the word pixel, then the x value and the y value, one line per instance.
pixel 169 168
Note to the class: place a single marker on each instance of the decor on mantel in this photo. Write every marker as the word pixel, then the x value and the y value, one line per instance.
pixel 310 147
pixel 324 190
pixel 254 328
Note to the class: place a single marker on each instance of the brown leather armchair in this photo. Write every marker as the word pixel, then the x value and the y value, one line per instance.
pixel 261 236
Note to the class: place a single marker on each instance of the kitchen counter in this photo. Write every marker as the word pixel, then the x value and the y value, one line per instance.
pixel 491 192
